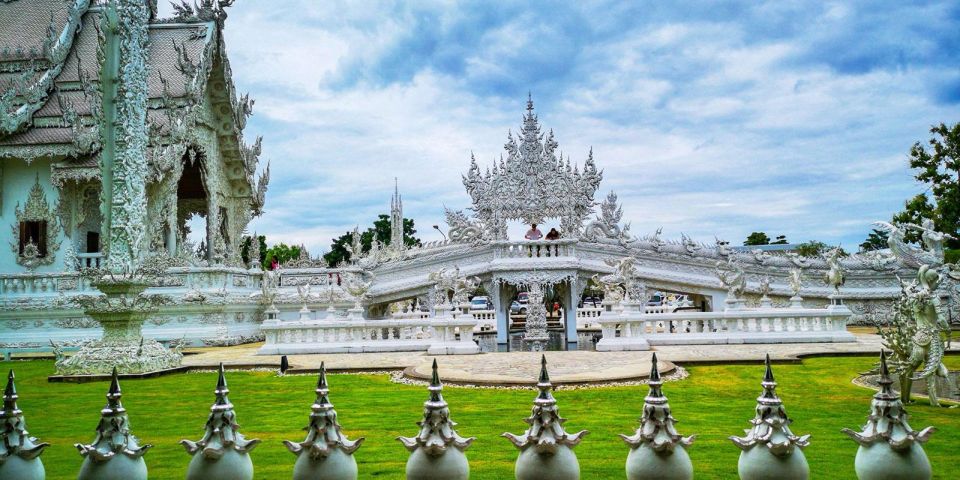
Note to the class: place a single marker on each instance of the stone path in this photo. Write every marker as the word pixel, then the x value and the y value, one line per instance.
pixel 521 368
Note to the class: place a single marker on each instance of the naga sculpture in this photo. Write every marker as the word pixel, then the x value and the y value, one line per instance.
pixel 733 278
pixel 357 287
pixel 621 284
pixel 607 224
pixel 462 228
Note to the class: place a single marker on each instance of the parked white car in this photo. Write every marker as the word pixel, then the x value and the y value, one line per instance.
pixel 481 302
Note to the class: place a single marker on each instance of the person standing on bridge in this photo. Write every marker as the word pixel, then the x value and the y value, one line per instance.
pixel 534 233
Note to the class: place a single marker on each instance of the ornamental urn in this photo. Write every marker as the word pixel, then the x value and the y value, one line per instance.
pixel 546 449
pixel 889 448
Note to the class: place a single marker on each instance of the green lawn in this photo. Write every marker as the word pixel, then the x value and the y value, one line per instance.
pixel 714 402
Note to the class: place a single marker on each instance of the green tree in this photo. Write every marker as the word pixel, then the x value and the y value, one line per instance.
pixel 814 248
pixel 781 240
pixel 379 231
pixel 939 168
pixel 757 238
pixel 281 252
pixel 876 240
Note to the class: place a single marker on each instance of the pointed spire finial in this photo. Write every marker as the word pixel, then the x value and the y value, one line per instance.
pixel 113 395
pixel 529 102
pixel 654 372
pixel 436 398
pixel 768 375
pixel 222 402
pixel 10 397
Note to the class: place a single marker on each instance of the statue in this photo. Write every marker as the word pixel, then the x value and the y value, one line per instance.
pixel 357 287
pixel 928 344
pixel 607 224
pixel 451 289
pixel 835 276
pixel 621 285
pixel 796 284
pixel 765 292
pixel 355 248
pixel 536 323
pixel 921 326
pixel 689 246
pixel 723 247
pixel 732 277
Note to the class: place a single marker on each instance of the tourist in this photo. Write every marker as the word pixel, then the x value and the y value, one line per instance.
pixel 534 233
pixel 553 234
pixel 274 264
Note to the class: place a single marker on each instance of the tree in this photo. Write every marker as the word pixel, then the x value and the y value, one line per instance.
pixel 814 248
pixel 876 240
pixel 379 231
pixel 281 252
pixel 757 238
pixel 781 240
pixel 938 168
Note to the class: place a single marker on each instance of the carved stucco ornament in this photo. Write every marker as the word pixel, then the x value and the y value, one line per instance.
pixel 326 452
pixel 19 452
pixel 889 448
pixel 114 452
pixel 532 184
pixel 36 209
pixel 546 449
pixel 770 449
pixel 222 452
pixel 657 450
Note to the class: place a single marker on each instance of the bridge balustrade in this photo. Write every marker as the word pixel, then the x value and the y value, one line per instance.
pixel 536 248
pixel 772 325
pixel 437 336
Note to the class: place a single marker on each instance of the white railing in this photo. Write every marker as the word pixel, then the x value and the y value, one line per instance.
pixel 89 260
pixel 410 315
pixel 774 325
pixel 535 248
pixel 438 336
pixel 659 308
pixel 40 284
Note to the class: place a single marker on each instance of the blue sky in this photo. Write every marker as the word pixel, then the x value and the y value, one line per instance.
pixel 710 118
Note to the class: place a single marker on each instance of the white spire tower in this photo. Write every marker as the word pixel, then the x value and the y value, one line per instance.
pixel 396 218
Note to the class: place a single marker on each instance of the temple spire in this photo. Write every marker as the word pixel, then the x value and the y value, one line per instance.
pixel 529 102
pixel 396 218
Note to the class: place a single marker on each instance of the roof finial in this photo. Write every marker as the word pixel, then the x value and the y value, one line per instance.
pixel 529 102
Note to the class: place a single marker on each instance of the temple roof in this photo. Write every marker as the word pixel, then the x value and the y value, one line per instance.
pixel 49 73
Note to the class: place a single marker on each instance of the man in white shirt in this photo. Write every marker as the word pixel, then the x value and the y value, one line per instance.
pixel 534 233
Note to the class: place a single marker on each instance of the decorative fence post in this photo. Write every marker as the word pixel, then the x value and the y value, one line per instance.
pixel 889 448
pixel 431 457
pixel 19 452
pixel 222 453
pixel 770 450
pixel 326 452
pixel 115 452
pixel 551 456
pixel 657 451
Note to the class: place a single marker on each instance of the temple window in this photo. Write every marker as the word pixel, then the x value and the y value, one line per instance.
pixel 33 232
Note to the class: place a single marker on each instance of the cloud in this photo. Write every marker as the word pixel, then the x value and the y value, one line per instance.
pixel 709 119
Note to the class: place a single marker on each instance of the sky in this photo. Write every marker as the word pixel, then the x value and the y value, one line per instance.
pixel 713 119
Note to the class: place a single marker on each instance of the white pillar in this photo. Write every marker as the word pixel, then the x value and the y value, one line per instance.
pixel 502 315
pixel 570 310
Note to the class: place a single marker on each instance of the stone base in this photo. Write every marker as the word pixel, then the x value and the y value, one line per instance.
pixel 101 357
pixel 453 348
pixel 757 338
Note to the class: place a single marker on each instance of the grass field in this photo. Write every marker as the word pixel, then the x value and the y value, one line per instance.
pixel 714 402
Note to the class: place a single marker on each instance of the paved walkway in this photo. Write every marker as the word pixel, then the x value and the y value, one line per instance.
pixel 521 368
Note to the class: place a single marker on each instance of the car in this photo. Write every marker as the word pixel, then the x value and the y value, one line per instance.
pixel 481 302
pixel 656 300
pixel 517 308
pixel 523 297
pixel 591 302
